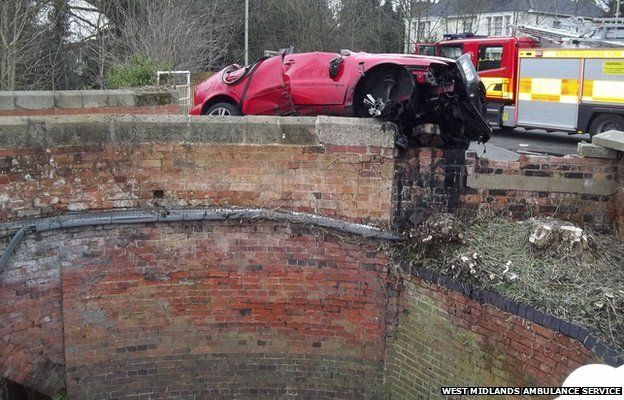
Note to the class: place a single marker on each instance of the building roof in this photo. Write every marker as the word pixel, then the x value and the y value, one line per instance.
pixel 581 8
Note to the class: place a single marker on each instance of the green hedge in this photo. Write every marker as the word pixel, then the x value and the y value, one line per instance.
pixel 141 71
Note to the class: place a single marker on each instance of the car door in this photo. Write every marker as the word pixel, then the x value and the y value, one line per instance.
pixel 265 92
pixel 308 76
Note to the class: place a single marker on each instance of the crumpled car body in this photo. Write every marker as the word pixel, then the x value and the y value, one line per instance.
pixel 432 100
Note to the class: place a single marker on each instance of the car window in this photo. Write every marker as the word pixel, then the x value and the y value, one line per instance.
pixel 489 57
pixel 453 52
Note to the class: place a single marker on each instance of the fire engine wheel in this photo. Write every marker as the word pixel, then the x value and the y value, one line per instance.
pixel 224 109
pixel 606 122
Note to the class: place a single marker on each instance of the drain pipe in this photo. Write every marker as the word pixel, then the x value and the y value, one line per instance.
pixel 17 238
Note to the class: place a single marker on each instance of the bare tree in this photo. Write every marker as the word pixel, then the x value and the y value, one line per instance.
pixel 316 27
pixel 308 25
pixel 19 38
pixel 412 13
pixel 185 34
pixel 96 46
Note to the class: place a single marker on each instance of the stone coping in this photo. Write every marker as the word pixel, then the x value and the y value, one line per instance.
pixel 73 99
pixel 611 140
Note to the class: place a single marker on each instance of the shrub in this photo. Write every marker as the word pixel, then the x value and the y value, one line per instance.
pixel 141 71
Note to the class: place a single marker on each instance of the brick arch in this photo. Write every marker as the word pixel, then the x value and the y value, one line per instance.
pixel 208 308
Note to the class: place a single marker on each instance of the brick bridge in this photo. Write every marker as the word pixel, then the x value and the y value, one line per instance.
pixel 170 257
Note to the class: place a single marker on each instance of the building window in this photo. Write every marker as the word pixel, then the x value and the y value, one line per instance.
pixel 498 26
pixel 495 25
pixel 467 25
pixel 508 27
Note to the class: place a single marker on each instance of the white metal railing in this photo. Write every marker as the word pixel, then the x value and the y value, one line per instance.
pixel 180 82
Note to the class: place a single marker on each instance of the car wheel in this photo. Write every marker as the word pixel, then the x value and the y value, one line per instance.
pixel 224 109
pixel 606 122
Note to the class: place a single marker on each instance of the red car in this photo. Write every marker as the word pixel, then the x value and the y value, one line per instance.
pixel 424 96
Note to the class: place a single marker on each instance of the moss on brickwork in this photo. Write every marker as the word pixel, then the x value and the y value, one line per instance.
pixel 446 339
pixel 431 351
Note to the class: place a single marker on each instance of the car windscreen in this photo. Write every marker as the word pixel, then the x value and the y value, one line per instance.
pixel 427 50
pixel 453 52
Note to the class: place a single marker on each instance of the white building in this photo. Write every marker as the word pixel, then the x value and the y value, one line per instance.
pixel 492 17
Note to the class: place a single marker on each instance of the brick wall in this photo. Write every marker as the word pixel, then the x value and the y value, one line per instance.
pixel 447 339
pixel 350 182
pixel 346 182
pixel 427 181
pixel 211 310
pixel 31 327
pixel 261 309
pixel 577 189
pixel 298 165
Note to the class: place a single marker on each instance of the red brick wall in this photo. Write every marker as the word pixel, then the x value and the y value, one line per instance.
pixel 336 181
pixel 255 309
pixel 31 323
pixel 447 339
pixel 583 208
pixel 437 180
pixel 163 109
pixel 212 310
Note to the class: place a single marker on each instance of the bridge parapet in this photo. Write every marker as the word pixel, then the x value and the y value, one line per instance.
pixel 339 168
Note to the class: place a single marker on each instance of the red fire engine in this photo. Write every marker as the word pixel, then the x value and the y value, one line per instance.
pixel 571 90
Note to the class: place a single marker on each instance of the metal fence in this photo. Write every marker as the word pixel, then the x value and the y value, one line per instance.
pixel 180 83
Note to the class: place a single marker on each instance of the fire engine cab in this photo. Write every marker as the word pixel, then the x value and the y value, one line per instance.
pixel 559 89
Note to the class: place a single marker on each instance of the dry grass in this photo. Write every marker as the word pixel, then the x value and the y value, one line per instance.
pixel 587 288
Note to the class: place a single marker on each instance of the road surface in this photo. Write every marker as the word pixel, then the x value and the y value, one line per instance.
pixel 538 141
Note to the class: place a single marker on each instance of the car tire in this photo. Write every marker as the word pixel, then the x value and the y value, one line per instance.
pixel 224 109
pixel 606 122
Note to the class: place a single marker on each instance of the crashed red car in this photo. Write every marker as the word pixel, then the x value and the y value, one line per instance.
pixel 424 96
